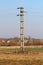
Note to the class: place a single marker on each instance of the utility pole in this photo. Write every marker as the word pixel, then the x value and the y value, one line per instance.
pixel 21 27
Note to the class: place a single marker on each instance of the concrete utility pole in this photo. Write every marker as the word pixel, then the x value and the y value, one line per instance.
pixel 21 27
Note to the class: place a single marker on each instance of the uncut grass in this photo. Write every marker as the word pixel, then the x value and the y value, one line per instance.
pixel 21 59
pixel 34 57
pixel 21 62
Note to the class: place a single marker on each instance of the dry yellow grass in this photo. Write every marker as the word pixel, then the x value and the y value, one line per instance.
pixel 29 56
pixel 11 58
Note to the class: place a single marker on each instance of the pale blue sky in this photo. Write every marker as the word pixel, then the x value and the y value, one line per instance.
pixel 33 20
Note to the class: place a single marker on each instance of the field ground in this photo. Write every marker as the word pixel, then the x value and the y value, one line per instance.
pixel 33 57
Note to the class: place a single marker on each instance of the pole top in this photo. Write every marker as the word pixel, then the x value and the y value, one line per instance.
pixel 20 8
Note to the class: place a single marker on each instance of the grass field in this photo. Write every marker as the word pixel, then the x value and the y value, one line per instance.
pixel 9 57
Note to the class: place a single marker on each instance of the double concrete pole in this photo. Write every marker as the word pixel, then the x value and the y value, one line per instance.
pixel 21 27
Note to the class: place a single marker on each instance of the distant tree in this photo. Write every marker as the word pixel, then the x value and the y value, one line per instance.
pixel 30 41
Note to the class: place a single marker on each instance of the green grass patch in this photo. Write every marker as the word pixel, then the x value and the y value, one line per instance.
pixel 17 49
pixel 34 49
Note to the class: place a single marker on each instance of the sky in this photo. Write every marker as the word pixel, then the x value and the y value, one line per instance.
pixel 10 23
